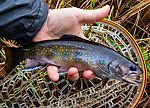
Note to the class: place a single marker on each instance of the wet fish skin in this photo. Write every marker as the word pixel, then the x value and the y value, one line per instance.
pixel 74 51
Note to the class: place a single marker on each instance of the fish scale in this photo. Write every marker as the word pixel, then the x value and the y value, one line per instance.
pixel 71 51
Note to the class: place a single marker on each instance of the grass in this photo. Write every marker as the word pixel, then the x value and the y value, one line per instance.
pixel 131 14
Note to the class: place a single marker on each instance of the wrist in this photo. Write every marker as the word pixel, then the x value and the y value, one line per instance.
pixel 44 33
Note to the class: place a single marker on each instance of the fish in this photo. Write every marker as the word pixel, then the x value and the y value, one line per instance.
pixel 73 51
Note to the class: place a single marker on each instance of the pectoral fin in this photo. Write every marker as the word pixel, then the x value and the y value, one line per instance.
pixel 31 68
pixel 63 72
pixel 30 63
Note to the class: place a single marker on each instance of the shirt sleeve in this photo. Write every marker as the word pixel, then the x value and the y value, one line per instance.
pixel 20 20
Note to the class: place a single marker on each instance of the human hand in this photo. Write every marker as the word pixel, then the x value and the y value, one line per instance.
pixel 68 21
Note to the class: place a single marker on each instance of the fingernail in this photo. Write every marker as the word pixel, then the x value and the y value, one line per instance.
pixel 72 71
pixel 90 75
pixel 106 6
pixel 55 77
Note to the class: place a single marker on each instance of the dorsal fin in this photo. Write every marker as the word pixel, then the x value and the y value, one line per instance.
pixel 68 37
pixel 71 37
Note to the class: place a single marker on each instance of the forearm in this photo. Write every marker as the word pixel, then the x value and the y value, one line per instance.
pixel 22 19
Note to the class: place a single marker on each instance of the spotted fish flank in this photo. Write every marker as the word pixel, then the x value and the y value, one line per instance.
pixel 74 51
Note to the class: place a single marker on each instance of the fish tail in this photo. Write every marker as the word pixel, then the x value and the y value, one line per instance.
pixel 13 57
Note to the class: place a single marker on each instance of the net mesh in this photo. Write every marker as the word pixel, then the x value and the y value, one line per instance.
pixel 22 89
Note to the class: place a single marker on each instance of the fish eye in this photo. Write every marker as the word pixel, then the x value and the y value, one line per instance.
pixel 132 68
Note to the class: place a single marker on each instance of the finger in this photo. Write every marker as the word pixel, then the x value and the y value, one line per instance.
pixel 88 74
pixel 73 74
pixel 91 16
pixel 53 73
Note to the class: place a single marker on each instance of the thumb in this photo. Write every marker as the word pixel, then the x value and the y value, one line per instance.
pixel 91 16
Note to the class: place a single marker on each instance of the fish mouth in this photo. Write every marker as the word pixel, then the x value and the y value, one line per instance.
pixel 132 81
pixel 132 77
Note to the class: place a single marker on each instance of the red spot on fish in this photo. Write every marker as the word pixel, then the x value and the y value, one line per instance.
pixel 72 54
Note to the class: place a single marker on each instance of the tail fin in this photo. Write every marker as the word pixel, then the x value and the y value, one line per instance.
pixel 13 57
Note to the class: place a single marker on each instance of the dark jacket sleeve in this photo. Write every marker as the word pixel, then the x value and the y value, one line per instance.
pixel 21 19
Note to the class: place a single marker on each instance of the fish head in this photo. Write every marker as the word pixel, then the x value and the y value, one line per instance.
pixel 125 70
pixel 132 73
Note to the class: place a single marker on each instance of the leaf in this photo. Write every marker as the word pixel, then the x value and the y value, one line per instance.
pixel 148 74
pixel 135 9
pixel 148 67
pixel 145 55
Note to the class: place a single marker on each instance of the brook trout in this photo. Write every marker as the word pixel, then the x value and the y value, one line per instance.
pixel 74 51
